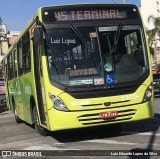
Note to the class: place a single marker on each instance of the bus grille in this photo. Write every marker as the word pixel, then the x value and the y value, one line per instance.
pixel 92 119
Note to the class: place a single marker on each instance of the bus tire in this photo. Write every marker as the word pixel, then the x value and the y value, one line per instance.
pixel 37 126
pixel 18 120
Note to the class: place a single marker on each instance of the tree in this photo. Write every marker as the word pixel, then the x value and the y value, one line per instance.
pixel 154 33
pixel 3 31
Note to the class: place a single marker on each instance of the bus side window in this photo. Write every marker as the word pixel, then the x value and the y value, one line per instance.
pixel 20 59
pixel 26 53
pixel 15 62
pixel 10 67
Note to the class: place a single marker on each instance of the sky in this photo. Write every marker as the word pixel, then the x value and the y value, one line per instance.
pixel 16 13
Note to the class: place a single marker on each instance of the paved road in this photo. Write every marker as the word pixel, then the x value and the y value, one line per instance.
pixel 141 136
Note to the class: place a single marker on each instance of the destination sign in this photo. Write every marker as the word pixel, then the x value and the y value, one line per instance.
pixel 84 12
pixel 76 15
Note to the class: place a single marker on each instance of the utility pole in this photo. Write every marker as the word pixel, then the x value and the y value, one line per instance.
pixel 124 1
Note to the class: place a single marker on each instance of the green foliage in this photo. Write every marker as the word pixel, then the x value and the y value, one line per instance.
pixel 156 30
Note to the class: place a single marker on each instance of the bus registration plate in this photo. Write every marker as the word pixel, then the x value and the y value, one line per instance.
pixel 109 114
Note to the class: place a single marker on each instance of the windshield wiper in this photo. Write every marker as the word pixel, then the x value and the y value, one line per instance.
pixel 78 34
pixel 87 44
pixel 109 44
pixel 116 38
pixel 113 49
pixel 80 37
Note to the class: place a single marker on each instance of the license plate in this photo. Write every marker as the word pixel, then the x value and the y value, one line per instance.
pixel 110 114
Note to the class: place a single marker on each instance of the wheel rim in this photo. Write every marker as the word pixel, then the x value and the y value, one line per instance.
pixel 36 118
pixel 15 112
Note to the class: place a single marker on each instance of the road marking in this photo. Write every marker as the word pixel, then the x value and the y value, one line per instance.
pixel 45 147
pixel 144 134
pixel 102 141
pixel 149 133
pixel 111 142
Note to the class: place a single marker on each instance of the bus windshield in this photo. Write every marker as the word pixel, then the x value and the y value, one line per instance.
pixel 103 55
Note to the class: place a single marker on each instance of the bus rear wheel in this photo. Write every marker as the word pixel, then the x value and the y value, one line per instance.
pixel 37 126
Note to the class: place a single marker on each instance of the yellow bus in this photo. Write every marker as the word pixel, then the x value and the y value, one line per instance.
pixel 80 65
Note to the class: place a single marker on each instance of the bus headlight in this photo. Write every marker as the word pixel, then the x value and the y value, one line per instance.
pixel 58 103
pixel 148 94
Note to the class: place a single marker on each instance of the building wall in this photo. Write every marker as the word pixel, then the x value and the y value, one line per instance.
pixel 12 37
pixel 4 47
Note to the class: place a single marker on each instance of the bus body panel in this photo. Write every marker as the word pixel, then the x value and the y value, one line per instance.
pixel 20 94
pixel 71 120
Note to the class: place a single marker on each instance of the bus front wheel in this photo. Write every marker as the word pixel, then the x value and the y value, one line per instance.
pixel 37 126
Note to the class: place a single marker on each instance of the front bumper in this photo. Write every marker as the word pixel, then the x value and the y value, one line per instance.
pixel 79 119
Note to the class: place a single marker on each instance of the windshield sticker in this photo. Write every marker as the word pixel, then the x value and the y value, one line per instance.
pixel 81 82
pixel 63 41
pixel 108 67
pixel 98 81
pixel 110 79
pixel 111 28
pixel 82 72
pixel 114 28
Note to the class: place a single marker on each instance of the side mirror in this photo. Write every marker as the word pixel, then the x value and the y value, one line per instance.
pixel 38 35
